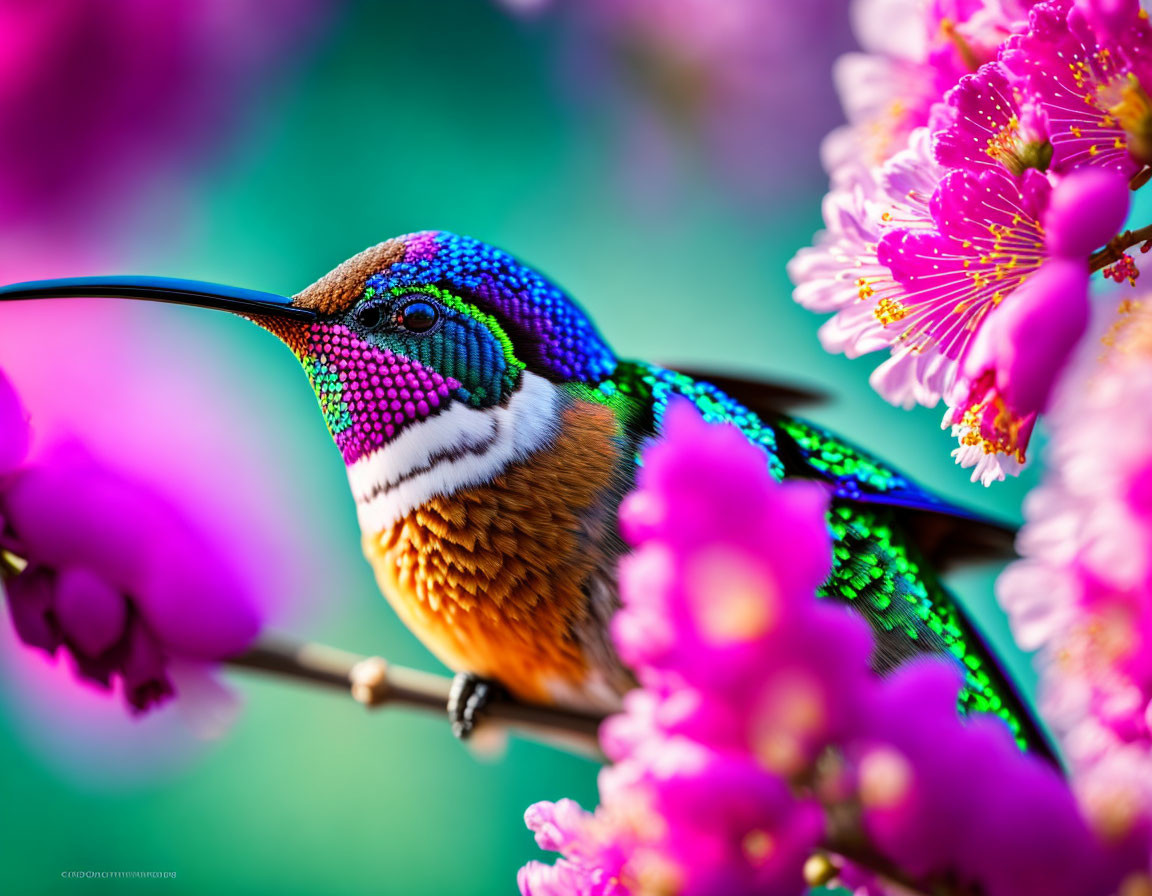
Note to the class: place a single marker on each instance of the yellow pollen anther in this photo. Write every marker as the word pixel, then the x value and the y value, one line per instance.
pixel 889 311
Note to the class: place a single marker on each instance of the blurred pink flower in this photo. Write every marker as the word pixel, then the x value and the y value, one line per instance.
pixel 1082 594
pixel 914 51
pixel 98 96
pixel 141 389
pixel 114 575
pixel 759 721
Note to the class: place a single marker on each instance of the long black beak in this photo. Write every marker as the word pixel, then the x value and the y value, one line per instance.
pixel 161 289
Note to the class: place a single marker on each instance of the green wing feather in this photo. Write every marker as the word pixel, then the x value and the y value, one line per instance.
pixel 879 568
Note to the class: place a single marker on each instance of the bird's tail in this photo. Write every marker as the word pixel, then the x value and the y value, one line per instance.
pixel 880 572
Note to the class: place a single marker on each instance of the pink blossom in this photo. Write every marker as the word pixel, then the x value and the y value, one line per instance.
pixel 758 714
pixel 934 280
pixel 1082 594
pixel 110 573
pixel 914 51
pixel 1012 364
pixel 151 407
pixel 1093 84
pixel 1021 98
pixel 917 253
pixel 992 123
pixel 842 273
pixel 923 265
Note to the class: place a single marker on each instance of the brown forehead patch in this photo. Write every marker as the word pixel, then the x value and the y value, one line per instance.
pixel 339 289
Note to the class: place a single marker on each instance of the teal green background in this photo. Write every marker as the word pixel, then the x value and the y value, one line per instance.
pixel 410 116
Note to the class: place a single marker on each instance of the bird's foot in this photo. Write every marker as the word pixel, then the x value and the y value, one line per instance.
pixel 467 699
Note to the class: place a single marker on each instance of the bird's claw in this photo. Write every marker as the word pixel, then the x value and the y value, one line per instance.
pixel 469 696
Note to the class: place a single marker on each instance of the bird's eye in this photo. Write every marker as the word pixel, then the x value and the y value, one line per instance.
pixel 418 317
pixel 369 316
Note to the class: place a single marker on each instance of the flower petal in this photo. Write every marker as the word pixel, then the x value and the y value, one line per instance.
pixel 145 677
pixel 91 613
pixel 14 430
pixel 1087 208
pixel 29 599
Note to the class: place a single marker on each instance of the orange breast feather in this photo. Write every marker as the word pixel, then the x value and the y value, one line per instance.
pixel 491 578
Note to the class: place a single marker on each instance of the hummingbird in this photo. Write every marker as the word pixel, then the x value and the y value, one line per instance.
pixel 490 433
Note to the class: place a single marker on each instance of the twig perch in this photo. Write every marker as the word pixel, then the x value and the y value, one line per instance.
pixel 373 681
pixel 1120 244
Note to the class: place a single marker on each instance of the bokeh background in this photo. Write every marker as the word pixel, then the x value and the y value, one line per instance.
pixel 263 151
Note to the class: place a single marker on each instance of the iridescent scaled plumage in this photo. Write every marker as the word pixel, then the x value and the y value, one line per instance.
pixel 367 394
pixel 537 320
pixel 878 568
pixel 490 435
pixel 489 451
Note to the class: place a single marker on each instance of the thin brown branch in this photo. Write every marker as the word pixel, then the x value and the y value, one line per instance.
pixel 1120 244
pixel 373 681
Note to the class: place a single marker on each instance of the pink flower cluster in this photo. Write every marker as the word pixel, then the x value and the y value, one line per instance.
pixel 1082 594
pixel 102 569
pixel 760 735
pixel 988 155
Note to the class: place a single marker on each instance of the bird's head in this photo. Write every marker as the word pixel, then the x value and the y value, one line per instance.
pixel 436 358
pixel 415 325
